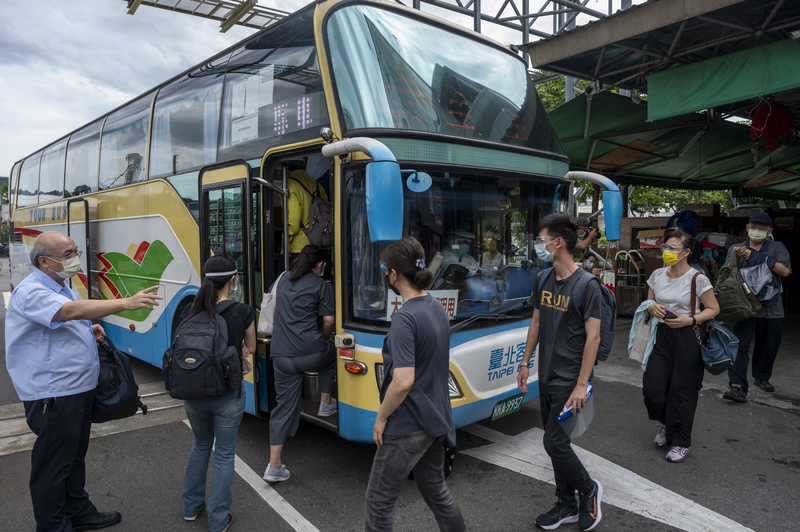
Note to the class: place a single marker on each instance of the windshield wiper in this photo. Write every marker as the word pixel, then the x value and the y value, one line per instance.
pixel 499 315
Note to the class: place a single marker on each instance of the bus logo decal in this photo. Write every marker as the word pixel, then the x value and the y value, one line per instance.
pixel 124 274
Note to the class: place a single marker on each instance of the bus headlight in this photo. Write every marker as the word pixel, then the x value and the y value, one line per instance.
pixel 455 391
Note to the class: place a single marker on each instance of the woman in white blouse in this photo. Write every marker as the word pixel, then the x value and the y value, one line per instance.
pixel 674 373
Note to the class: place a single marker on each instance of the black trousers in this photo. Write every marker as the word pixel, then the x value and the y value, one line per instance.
pixel 768 333
pixel 671 384
pixel 58 471
pixel 570 475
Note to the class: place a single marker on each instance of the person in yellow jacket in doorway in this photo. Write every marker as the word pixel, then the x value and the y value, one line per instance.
pixel 301 187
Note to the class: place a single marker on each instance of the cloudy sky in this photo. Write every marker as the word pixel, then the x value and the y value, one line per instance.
pixel 63 64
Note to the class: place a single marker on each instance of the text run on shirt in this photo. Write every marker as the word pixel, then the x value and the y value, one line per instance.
pixel 557 302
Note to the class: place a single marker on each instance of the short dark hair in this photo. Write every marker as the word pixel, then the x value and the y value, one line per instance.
pixel 406 257
pixel 559 225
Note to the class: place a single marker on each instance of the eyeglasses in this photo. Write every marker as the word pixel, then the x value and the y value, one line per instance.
pixel 667 247
pixel 70 255
pixel 541 239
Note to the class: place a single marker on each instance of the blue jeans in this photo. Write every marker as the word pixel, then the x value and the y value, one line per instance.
pixel 220 417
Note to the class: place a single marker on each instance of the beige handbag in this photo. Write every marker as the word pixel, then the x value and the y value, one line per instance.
pixel 640 340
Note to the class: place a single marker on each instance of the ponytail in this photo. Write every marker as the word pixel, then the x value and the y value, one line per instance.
pixel 407 258
pixel 219 270
pixel 306 260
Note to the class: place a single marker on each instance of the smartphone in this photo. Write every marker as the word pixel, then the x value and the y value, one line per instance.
pixel 670 315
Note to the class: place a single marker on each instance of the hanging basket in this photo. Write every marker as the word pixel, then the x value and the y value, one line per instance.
pixel 772 122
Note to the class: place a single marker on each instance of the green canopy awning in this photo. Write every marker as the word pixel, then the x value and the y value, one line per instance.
pixel 736 77
pixel 687 151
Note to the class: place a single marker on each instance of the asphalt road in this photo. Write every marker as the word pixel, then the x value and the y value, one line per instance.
pixel 744 473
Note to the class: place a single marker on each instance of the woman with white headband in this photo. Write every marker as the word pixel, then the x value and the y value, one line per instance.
pixel 218 417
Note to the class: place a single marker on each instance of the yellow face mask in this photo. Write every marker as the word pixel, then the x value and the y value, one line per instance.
pixel 670 257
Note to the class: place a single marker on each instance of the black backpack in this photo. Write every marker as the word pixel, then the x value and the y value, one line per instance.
pixel 117 395
pixel 320 219
pixel 200 364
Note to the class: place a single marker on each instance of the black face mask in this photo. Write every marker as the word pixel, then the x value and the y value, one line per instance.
pixel 392 286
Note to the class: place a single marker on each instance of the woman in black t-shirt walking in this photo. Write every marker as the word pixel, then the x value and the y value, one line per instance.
pixel 415 415
pixel 218 417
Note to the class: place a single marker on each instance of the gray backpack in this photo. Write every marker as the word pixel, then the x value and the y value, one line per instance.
pixel 736 301
pixel 320 219
pixel 200 364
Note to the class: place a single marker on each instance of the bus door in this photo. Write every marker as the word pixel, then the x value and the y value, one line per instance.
pixel 275 176
pixel 79 231
pixel 230 224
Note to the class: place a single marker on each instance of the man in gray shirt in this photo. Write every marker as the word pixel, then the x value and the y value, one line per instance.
pixel 767 324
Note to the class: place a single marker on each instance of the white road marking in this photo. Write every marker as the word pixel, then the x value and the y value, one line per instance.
pixel 266 492
pixel 624 489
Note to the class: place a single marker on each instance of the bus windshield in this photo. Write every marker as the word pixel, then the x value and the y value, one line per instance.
pixel 477 232
pixel 460 87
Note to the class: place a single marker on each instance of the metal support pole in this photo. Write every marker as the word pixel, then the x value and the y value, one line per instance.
pixel 477 8
pixel 569 88
pixel 285 172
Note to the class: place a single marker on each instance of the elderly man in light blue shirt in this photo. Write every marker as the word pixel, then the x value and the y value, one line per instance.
pixel 51 356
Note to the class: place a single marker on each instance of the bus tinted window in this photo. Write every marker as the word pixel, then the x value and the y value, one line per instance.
pixel 123 147
pixel 82 153
pixel 29 181
pixel 186 186
pixel 389 76
pixel 12 186
pixel 273 91
pixel 51 174
pixel 477 231
pixel 186 121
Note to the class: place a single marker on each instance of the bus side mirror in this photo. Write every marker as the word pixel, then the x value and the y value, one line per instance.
pixel 384 201
pixel 612 208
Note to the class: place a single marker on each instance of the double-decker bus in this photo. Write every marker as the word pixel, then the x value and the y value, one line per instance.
pixel 413 125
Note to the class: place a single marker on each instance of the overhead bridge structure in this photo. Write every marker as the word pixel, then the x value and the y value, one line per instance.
pixel 528 18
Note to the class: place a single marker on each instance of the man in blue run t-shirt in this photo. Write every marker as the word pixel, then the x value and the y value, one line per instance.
pixel 568 338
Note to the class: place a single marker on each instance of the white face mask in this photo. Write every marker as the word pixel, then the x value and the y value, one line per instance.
pixel 543 253
pixel 757 235
pixel 71 267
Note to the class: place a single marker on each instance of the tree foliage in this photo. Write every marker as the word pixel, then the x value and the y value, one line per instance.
pixel 650 200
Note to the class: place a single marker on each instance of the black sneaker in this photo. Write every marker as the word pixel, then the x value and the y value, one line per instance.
pixel 563 512
pixel 736 394
pixel 590 513
pixel 764 385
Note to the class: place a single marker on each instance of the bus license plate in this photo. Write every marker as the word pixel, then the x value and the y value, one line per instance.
pixel 507 406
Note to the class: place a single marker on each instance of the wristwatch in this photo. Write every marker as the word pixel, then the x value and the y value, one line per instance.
pixel 694 321
pixel 524 365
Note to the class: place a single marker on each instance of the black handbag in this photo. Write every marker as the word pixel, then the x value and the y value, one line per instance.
pixel 719 347
pixel 117 395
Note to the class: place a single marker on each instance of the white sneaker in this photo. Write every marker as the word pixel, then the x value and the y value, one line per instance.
pixel 327 410
pixel 276 475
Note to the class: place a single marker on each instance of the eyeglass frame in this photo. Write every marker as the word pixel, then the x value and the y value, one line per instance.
pixel 70 255
pixel 538 241
pixel 667 247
